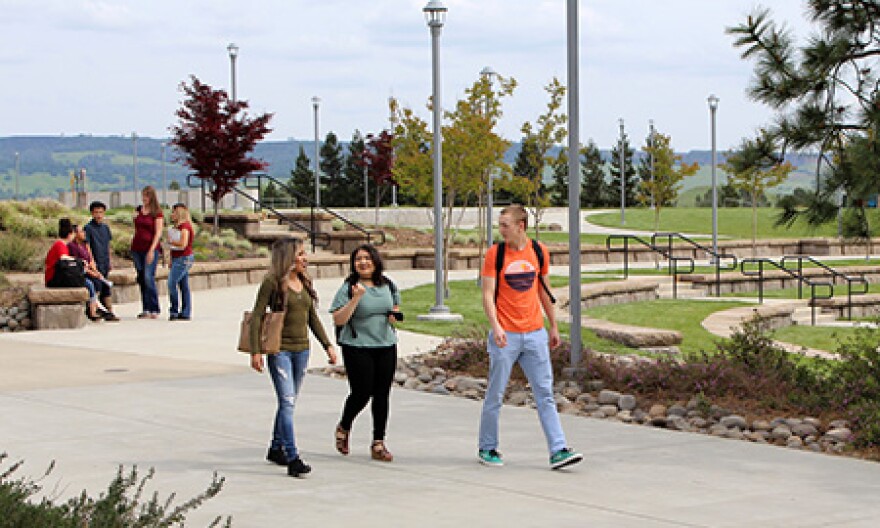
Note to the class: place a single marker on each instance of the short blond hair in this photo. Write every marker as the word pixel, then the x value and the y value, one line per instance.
pixel 518 213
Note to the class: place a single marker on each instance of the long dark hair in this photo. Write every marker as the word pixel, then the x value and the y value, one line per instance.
pixel 378 277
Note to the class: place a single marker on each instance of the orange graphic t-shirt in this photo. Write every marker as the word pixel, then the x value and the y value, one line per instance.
pixel 519 304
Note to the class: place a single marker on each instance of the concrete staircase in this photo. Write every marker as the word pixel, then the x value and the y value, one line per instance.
pixel 684 290
pixel 802 315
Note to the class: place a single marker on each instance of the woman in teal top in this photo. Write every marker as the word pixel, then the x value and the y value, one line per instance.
pixel 366 307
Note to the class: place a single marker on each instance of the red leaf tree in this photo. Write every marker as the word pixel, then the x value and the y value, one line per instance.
pixel 216 136
pixel 378 158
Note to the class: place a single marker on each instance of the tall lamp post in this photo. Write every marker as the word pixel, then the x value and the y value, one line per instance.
pixel 164 176
pixel 651 141
pixel 233 54
pixel 622 155
pixel 17 172
pixel 488 73
pixel 574 185
pixel 134 165
pixel 315 102
pixel 713 106
pixel 435 16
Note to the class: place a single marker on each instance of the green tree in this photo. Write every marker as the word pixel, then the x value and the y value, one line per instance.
pixel 594 188
pixel 332 162
pixel 825 92
pixel 351 192
pixel 559 189
pixel 668 173
pixel 302 177
pixel 548 131
pixel 631 183
pixel 273 195
pixel 754 168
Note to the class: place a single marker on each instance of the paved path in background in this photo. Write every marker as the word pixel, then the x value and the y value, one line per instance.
pixel 177 397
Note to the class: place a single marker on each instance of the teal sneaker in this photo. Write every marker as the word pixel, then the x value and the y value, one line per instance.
pixel 564 457
pixel 490 457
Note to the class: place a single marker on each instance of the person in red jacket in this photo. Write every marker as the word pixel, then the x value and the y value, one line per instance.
pixel 58 249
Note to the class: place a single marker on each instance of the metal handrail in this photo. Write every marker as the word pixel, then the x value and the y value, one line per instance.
pixel 673 260
pixel 314 235
pixel 793 274
pixel 716 260
pixel 374 236
pixel 834 274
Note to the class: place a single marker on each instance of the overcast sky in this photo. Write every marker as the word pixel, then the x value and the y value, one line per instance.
pixel 108 67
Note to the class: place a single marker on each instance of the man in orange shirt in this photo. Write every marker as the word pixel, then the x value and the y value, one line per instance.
pixel 513 303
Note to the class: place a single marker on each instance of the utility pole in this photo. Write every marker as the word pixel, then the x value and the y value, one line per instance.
pixel 622 154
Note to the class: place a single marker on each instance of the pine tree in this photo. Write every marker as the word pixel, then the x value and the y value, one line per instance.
pixel 630 181
pixel 302 177
pixel 594 188
pixel 559 189
pixel 331 163
pixel 352 188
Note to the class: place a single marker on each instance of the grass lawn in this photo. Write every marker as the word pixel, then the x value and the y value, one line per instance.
pixel 821 337
pixel 684 316
pixel 465 299
pixel 733 223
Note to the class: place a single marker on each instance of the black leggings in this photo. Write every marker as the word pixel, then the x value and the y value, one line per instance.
pixel 370 373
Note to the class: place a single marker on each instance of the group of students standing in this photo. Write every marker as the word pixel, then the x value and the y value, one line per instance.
pixel 90 244
pixel 365 309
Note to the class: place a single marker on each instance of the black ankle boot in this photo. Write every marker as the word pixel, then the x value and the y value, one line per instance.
pixel 277 456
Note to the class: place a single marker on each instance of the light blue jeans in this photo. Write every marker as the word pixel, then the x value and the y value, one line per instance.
pixel 178 277
pixel 287 370
pixel 532 352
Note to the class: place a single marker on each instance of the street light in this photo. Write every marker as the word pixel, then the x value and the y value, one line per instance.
pixel 435 16
pixel 134 164
pixel 713 106
pixel 315 102
pixel 164 176
pixel 488 73
pixel 651 142
pixel 17 173
pixel 574 184
pixel 233 54
pixel 622 154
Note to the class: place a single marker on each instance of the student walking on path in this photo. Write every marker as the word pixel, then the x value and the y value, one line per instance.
pixel 288 284
pixel 145 251
pixel 181 242
pixel 366 306
pixel 514 295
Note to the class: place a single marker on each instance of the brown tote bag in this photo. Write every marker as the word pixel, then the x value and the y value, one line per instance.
pixel 270 330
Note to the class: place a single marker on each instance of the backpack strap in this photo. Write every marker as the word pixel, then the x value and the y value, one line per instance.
pixel 499 263
pixel 539 252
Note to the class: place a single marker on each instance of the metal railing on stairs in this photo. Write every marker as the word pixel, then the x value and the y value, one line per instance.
pixel 792 273
pixel 835 274
pixel 317 239
pixel 716 257
pixel 675 271
pixel 373 236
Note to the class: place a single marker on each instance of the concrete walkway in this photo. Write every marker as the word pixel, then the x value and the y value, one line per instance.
pixel 177 397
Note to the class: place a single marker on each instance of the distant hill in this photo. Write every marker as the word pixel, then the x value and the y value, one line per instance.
pixel 47 161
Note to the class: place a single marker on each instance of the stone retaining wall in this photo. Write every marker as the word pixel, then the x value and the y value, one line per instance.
pixel 736 282
pixel 862 306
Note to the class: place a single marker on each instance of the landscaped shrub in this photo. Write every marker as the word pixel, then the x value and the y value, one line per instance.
pixel 30 227
pixel 858 372
pixel 118 506
pixel 46 208
pixel 17 253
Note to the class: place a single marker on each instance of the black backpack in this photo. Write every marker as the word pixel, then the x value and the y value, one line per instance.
pixel 69 273
pixel 499 263
pixel 338 328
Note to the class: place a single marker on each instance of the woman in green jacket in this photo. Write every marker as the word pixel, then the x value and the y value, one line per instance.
pixel 288 282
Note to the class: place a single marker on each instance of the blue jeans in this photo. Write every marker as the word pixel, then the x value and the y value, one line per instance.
pixel 91 287
pixel 178 277
pixel 287 370
pixel 532 352
pixel 146 277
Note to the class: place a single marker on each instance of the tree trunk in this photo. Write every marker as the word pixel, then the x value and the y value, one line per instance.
pixel 754 225
pixel 216 217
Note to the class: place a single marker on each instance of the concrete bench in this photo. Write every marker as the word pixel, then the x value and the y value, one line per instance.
pixel 56 308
